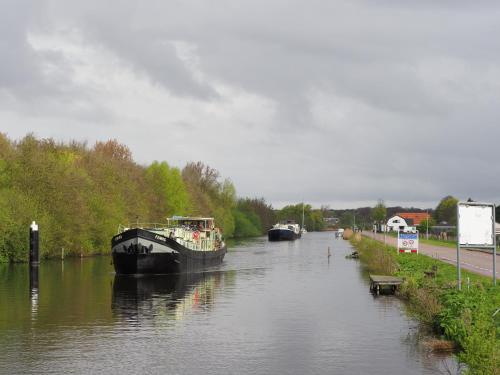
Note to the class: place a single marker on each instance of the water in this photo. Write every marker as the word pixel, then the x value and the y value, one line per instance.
pixel 271 308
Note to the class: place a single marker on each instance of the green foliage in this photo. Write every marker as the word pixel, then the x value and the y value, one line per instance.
pixel 260 209
pixel 446 210
pixel 346 220
pixel 376 258
pixel 480 345
pixel 246 225
pixel 80 195
pixel 426 224
pixel 210 196
pixel 313 219
pixel 379 212
pixel 170 194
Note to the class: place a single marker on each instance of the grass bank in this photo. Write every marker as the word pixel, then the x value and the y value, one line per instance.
pixel 430 288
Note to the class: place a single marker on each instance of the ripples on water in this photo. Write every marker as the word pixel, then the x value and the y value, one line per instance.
pixel 271 308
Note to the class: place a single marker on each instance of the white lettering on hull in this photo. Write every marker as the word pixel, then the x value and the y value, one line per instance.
pixel 157 248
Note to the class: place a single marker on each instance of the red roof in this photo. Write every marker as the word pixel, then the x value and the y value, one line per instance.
pixel 417 217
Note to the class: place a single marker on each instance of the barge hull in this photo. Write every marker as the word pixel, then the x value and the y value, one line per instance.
pixel 281 235
pixel 139 251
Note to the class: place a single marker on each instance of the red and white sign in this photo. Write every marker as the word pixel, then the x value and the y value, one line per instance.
pixel 408 242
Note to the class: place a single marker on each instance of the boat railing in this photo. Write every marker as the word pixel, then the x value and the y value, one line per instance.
pixel 154 226
pixel 182 236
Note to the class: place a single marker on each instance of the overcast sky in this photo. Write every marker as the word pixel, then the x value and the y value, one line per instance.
pixel 331 102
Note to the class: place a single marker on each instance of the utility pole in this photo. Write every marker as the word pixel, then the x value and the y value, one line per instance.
pixel 385 228
pixel 353 222
pixel 427 226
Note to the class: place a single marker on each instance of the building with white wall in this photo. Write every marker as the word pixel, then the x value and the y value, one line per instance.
pixel 396 223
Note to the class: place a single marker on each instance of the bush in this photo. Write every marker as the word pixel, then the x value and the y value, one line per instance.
pixel 245 225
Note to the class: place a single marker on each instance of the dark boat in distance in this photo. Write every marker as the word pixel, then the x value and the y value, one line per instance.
pixel 184 244
pixel 284 231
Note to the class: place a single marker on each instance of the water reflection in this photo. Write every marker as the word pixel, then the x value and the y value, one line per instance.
pixel 34 291
pixel 269 308
pixel 141 298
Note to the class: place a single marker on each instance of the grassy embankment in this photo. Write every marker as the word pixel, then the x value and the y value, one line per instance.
pixel 430 288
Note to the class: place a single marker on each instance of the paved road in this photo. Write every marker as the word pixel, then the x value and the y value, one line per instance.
pixel 474 261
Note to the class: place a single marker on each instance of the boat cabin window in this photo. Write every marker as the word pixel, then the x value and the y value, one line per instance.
pixel 196 225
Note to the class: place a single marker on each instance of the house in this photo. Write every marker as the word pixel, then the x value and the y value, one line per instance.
pixel 396 223
pixel 414 218
pixel 406 221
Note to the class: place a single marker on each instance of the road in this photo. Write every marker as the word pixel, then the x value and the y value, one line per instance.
pixel 471 260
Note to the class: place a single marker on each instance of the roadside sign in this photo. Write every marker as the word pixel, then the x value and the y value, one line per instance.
pixel 476 225
pixel 408 242
pixel 475 229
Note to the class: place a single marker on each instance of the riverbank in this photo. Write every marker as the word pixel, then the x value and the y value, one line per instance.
pixel 472 260
pixel 430 288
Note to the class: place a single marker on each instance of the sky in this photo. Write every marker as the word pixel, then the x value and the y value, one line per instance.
pixel 337 103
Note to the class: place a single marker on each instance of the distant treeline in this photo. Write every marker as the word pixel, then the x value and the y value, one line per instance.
pixel 445 213
pixel 79 195
pixel 364 217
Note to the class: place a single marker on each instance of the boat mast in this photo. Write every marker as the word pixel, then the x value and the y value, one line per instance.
pixel 302 215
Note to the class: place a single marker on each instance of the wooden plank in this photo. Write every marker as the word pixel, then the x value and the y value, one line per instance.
pixel 385 280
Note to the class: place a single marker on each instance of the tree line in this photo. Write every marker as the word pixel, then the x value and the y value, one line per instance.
pixel 80 194
pixel 445 213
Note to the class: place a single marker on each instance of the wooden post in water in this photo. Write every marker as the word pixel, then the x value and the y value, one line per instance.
pixel 34 262
pixel 34 245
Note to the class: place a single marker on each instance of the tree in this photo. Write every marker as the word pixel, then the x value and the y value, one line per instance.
pixel 264 211
pixel 209 196
pixel 170 195
pixel 346 219
pixel 379 211
pixel 313 219
pixel 246 224
pixel 446 210
pixel 424 224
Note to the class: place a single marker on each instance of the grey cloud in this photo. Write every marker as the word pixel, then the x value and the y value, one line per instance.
pixel 20 64
pixel 422 80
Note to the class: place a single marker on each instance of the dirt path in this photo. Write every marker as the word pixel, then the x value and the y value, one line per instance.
pixel 474 261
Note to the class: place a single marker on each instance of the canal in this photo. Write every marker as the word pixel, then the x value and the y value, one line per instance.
pixel 271 308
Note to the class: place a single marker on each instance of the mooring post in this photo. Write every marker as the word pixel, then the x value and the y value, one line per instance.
pixel 34 263
pixel 329 254
pixel 34 245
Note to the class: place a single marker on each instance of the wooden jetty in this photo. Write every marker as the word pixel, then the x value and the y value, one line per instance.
pixel 379 282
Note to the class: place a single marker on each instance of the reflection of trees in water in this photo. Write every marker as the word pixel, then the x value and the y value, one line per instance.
pixel 152 297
